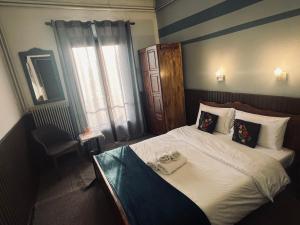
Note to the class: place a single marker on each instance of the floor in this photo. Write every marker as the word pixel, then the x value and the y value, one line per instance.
pixel 284 211
pixel 63 200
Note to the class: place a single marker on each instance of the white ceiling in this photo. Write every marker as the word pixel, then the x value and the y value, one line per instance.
pixel 97 3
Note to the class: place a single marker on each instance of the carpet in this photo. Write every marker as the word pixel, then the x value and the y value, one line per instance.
pixel 74 175
pixel 76 208
pixel 64 200
pixel 87 173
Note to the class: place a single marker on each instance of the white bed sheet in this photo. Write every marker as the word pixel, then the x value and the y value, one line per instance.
pixel 224 194
pixel 285 156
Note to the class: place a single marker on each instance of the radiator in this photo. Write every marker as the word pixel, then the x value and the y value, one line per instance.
pixel 56 114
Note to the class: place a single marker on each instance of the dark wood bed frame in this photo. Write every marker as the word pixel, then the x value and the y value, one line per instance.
pixel 258 104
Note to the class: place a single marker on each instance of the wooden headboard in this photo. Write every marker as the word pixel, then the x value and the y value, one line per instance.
pixel 258 104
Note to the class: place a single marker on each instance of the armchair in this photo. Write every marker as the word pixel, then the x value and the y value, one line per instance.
pixel 55 142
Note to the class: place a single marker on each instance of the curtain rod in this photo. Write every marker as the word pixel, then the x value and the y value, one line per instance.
pixel 50 24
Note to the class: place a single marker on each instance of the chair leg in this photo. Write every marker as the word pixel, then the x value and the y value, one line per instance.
pixel 78 152
pixel 56 167
pixel 55 163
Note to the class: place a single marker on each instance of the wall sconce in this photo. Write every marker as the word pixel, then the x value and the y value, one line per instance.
pixel 220 75
pixel 280 74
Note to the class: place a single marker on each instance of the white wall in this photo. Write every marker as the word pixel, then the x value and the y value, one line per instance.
pixel 24 28
pixel 248 57
pixel 9 108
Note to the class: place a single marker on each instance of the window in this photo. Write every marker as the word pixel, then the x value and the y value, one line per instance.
pixel 94 87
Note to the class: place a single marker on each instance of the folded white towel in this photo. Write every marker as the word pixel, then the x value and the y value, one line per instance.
pixel 174 155
pixel 153 165
pixel 164 158
pixel 169 156
pixel 171 167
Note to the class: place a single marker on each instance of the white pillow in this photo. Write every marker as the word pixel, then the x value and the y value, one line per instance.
pixel 225 120
pixel 272 129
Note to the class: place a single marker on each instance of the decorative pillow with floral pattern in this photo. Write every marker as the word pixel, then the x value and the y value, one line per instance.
pixel 208 122
pixel 246 132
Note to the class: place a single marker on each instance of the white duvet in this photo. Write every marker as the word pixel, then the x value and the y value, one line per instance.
pixel 225 179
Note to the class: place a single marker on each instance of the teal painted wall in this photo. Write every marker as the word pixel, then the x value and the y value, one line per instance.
pixel 248 56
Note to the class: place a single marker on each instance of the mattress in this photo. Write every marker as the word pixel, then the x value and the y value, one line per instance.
pixel 224 192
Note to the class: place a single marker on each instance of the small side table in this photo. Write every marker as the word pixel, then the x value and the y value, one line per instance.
pixel 93 135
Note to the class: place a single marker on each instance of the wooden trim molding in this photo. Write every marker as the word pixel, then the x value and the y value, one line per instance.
pixel 69 5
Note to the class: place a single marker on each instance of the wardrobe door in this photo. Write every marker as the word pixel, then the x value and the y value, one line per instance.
pixel 170 63
pixel 152 86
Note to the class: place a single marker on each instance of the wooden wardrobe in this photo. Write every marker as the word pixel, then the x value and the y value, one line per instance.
pixel 161 67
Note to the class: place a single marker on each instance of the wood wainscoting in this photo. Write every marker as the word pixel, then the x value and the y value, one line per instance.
pixel 275 103
pixel 253 103
pixel 18 178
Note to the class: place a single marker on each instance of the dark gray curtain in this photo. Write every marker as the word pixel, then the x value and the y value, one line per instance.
pixel 68 35
pixel 100 77
pixel 116 36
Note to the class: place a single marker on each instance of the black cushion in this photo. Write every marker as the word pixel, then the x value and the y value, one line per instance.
pixel 246 132
pixel 62 147
pixel 208 122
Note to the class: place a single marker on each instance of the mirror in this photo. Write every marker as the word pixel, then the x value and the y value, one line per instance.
pixel 42 75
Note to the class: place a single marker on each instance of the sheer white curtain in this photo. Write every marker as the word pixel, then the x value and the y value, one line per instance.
pixel 106 81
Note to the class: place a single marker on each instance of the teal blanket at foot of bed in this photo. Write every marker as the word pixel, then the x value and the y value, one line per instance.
pixel 146 198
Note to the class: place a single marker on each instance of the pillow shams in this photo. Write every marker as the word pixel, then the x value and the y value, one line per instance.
pixel 272 128
pixel 225 120
pixel 246 133
pixel 208 122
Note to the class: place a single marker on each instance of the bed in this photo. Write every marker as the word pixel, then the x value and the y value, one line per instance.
pixel 215 177
pixel 207 181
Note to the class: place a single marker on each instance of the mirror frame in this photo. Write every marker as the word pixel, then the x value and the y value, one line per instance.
pixel 38 51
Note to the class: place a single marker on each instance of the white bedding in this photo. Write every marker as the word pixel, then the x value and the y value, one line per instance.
pixel 225 179
pixel 284 156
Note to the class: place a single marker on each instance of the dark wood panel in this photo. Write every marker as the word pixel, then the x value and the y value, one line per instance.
pixel 152 58
pixel 155 83
pixel 143 60
pixel 274 103
pixel 154 104
pixel 163 85
pixel 258 104
pixel 171 76
pixel 18 178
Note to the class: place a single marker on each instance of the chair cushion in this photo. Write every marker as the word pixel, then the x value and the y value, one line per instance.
pixel 62 147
